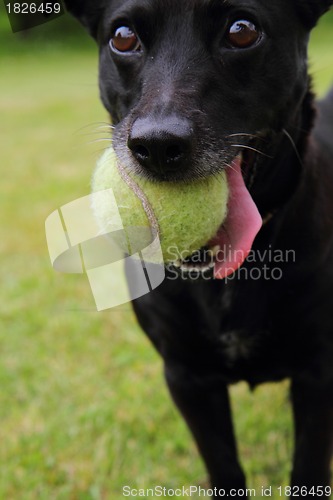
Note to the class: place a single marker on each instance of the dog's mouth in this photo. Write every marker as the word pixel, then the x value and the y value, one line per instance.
pixel 231 245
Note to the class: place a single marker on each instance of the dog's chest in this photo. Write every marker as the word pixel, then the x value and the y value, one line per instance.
pixel 238 345
pixel 253 356
pixel 246 344
pixel 236 342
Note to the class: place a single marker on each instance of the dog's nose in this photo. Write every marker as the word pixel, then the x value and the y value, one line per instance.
pixel 161 146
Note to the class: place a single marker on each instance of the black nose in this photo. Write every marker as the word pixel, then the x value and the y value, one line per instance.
pixel 163 146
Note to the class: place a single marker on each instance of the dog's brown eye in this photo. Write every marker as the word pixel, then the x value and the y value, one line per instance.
pixel 243 34
pixel 125 40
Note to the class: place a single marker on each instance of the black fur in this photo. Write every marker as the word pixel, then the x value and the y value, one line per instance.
pixel 213 333
pixel 311 10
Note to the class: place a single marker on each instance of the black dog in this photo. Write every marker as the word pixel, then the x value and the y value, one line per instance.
pixel 193 87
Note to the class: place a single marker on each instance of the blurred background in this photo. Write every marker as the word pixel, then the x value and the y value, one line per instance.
pixel 83 405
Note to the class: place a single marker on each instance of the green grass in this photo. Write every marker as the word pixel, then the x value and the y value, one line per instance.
pixel 83 406
pixel 320 55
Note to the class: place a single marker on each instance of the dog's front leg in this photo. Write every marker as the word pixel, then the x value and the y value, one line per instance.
pixel 313 415
pixel 206 408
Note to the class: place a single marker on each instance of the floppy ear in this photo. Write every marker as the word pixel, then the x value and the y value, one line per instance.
pixel 88 12
pixel 311 10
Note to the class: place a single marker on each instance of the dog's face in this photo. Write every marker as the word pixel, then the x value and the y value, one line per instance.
pixel 188 81
pixel 197 86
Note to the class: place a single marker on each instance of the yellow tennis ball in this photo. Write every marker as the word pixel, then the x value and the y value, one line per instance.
pixel 186 215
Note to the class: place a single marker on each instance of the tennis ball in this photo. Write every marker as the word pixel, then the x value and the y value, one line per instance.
pixel 185 215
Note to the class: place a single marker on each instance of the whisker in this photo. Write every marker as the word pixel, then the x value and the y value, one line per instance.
pixel 107 126
pixel 251 148
pixel 100 151
pixel 103 139
pixel 245 135
pixel 230 166
pixel 294 146
pixel 94 132
pixel 104 131
pixel 96 126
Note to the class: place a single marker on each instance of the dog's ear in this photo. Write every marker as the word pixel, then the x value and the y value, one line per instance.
pixel 88 12
pixel 311 10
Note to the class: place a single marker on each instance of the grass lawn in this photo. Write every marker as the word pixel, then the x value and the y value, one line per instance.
pixel 83 406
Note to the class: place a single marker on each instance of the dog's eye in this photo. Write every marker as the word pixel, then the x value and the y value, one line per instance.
pixel 125 40
pixel 243 34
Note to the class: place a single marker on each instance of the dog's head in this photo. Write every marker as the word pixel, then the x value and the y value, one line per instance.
pixel 192 85
pixel 185 81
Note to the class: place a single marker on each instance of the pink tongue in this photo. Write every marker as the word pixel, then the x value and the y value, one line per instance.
pixel 241 226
